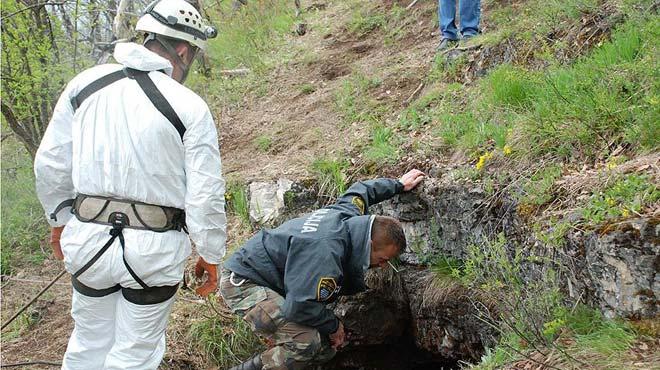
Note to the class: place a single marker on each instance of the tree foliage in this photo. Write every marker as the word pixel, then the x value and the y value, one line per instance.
pixel 33 69
pixel 44 44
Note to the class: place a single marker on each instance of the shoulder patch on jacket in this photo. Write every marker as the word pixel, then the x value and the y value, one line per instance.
pixel 326 289
pixel 358 202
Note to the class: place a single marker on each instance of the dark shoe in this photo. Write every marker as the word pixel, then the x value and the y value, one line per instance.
pixel 446 44
pixel 465 40
pixel 252 364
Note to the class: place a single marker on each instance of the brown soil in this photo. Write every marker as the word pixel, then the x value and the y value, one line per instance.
pixel 41 333
pixel 305 126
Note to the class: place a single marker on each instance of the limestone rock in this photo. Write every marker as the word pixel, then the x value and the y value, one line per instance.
pixel 621 264
pixel 267 200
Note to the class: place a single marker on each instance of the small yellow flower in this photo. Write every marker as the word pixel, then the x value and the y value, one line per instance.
pixel 625 212
pixel 482 160
pixel 507 150
pixel 610 202
pixel 611 165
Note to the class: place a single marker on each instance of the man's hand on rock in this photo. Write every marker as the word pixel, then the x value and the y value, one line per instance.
pixel 338 338
pixel 411 179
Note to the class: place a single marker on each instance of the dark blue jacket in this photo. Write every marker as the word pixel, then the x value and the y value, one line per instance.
pixel 312 259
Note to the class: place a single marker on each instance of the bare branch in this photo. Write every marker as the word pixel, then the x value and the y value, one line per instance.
pixel 31 7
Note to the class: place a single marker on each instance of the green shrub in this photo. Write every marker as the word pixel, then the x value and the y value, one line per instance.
pixel 227 343
pixel 331 176
pixel 24 223
pixel 625 197
pixel 510 86
pixel 238 204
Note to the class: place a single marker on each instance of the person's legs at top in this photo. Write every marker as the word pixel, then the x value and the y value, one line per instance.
pixel 158 259
pixel 447 19
pixel 470 13
pixel 93 311
pixel 294 346
pixel 93 333
pixel 139 335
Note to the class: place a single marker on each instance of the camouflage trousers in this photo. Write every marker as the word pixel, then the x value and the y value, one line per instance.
pixel 295 346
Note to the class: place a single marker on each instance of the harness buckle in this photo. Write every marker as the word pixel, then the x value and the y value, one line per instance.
pixel 118 221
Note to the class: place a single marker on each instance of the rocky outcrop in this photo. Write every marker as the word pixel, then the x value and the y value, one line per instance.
pixel 410 320
pixel 618 267
pixel 267 200
pixel 415 320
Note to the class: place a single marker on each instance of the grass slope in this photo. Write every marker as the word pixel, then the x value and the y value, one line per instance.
pixel 549 89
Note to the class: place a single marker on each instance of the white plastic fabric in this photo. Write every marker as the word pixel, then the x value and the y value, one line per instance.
pixel 183 12
pixel 112 333
pixel 118 145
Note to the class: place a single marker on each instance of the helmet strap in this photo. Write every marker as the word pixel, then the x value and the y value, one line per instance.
pixel 172 52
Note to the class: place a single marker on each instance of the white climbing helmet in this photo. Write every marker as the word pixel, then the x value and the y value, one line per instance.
pixel 177 19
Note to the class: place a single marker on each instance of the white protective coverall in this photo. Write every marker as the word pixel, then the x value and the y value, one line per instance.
pixel 117 144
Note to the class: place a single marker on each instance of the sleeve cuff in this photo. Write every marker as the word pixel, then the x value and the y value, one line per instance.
pixel 62 218
pixel 329 327
pixel 399 187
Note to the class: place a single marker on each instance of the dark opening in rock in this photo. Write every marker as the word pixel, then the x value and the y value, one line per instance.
pixel 401 355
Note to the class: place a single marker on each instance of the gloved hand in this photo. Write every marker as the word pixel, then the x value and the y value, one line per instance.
pixel 211 283
pixel 55 234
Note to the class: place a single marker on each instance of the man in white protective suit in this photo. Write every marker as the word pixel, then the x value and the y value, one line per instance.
pixel 133 156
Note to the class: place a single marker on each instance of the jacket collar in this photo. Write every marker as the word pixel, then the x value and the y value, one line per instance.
pixel 359 229
pixel 138 57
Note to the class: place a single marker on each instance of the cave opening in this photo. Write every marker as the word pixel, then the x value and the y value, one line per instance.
pixel 401 354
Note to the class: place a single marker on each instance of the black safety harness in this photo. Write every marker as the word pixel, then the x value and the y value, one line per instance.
pixel 119 220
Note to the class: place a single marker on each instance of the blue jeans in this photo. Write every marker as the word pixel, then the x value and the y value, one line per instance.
pixel 469 11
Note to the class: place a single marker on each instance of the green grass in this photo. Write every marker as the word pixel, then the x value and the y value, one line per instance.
pixel 263 143
pixel 382 149
pixel 537 190
pixel 226 343
pixel 24 322
pixel 330 176
pixel 510 87
pixel 24 223
pixel 569 112
pixel 446 70
pixel 307 88
pixel 532 19
pixel 532 314
pixel 604 98
pixel 413 118
pixel 238 204
pixel 352 100
pixel 253 38
pixel 594 339
pixel 367 19
pixel 625 198
pixel 363 22
pixel 245 37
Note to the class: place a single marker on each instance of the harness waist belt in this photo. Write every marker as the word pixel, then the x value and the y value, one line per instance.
pixel 141 216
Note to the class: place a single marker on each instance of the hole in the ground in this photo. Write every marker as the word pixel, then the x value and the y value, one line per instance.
pixel 402 355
